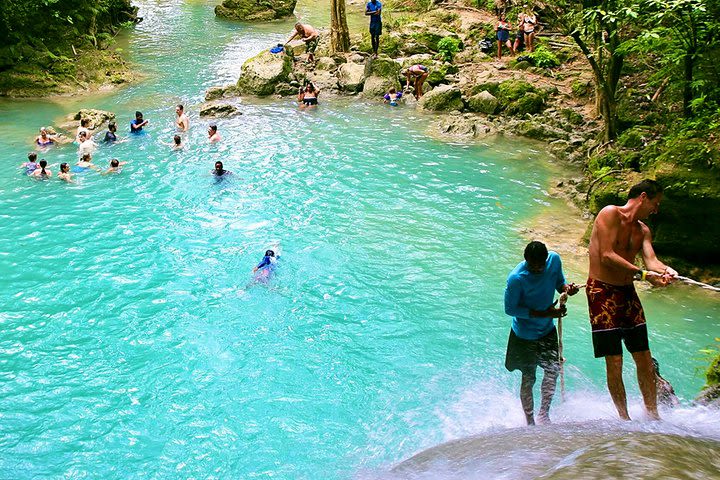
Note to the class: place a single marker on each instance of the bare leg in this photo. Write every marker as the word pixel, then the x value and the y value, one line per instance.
pixel 510 47
pixel 613 364
pixel 646 381
pixel 517 45
pixel 547 391
pixel 526 396
pixel 499 50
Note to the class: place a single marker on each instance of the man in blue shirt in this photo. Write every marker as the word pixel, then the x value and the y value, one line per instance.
pixel 136 126
pixel 374 10
pixel 533 341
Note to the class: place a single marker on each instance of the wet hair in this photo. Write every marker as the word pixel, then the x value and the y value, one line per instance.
pixel 84 122
pixel 63 166
pixel 86 157
pixel 138 113
pixel 213 127
pixel 651 188
pixel 82 134
pixel 536 252
pixel 392 90
pixel 32 157
pixel 112 126
pixel 177 139
pixel 114 163
pixel 220 164
pixel 298 24
pixel 180 107
pixel 269 253
pixel 43 164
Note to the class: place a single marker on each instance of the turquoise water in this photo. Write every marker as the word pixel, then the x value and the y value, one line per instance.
pixel 133 343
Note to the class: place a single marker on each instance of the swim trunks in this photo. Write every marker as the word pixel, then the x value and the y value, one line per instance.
pixel 526 355
pixel 310 101
pixel 616 315
pixel 311 45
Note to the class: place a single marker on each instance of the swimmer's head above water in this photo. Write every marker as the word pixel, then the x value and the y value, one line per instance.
pixel 219 169
pixel 269 253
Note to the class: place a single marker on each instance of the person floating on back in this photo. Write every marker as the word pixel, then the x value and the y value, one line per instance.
pixel 374 10
pixel 136 125
pixel 616 315
pixel 533 340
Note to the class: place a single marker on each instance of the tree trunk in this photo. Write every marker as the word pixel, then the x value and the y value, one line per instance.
pixel 608 109
pixel 339 33
pixel 687 85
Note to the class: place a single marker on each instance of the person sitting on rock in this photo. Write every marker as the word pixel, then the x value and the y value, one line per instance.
pixel 392 97
pixel 308 35
pixel 308 97
pixel 44 139
pixel 418 73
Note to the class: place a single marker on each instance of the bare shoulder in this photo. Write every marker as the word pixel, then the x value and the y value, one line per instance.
pixel 609 213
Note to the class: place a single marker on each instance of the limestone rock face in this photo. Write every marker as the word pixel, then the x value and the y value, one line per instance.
pixel 382 66
pixel 261 73
pixel 484 102
pixel 255 11
pixel 465 127
pixel 325 63
pixel 323 80
pixel 218 109
pixel 214 93
pixel 351 77
pixel 444 98
pixel 378 86
pixel 97 118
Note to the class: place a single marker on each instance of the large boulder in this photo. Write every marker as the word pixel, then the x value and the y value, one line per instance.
pixel 225 91
pixel 382 66
pixel 326 63
pixel 97 118
pixel 261 73
pixel 465 126
pixel 323 80
pixel 351 77
pixel 484 102
pixel 254 10
pixel 444 98
pixel 218 109
pixel 378 86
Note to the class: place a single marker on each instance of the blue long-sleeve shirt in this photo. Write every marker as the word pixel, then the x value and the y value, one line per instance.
pixel 527 291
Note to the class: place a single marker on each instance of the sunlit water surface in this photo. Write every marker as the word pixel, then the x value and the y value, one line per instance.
pixel 133 343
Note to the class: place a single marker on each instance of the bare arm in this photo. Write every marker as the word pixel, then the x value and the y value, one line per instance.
pixel 651 261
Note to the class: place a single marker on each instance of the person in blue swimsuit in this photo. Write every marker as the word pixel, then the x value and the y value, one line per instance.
pixel 31 165
pixel 44 139
pixel 110 135
pixel 392 97
pixel 136 126
pixel 266 267
pixel 374 9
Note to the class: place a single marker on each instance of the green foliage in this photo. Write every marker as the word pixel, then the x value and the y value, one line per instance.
pixel 581 89
pixel 448 47
pixel 712 374
pixel 544 58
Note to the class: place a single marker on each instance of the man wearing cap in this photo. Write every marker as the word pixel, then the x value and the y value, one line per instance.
pixel 533 340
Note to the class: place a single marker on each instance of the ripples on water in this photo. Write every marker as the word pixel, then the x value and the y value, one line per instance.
pixel 134 344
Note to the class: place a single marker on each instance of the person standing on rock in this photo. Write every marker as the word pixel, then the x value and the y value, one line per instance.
pixel 374 10
pixel 616 314
pixel 533 340
pixel 182 122
pixel 529 22
pixel 418 73
pixel 503 35
pixel 308 35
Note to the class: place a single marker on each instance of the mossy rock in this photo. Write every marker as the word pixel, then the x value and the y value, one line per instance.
pixel 492 87
pixel 610 190
pixel 442 19
pixel 581 89
pixel 632 138
pixel 600 164
pixel 444 98
pixel 692 152
pixel 571 116
pixel 511 90
pixel 429 38
pixel 391 45
pixel 712 375
pixel 522 65
pixel 382 66
pixel 535 129
pixel 261 73
pixel 439 71
pixel 255 10
pixel 531 103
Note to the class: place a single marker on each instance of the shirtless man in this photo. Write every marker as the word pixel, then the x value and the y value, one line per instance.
pixel 182 122
pixel 616 314
pixel 308 35
pixel 213 135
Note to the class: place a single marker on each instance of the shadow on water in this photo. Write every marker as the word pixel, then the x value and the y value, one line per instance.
pixel 595 450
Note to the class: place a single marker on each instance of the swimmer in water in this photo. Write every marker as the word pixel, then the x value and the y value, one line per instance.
pixel 65 174
pixel 213 134
pixel 111 134
pixel 84 127
pixel 115 167
pixel 84 164
pixel 177 143
pixel 42 171
pixel 219 170
pixel 136 126
pixel 31 165
pixel 86 144
pixel 392 97
pixel 44 139
pixel 181 122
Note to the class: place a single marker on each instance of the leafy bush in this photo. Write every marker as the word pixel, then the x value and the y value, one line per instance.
pixel 448 47
pixel 544 58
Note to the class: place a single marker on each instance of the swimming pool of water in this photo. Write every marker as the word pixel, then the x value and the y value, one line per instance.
pixel 134 343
